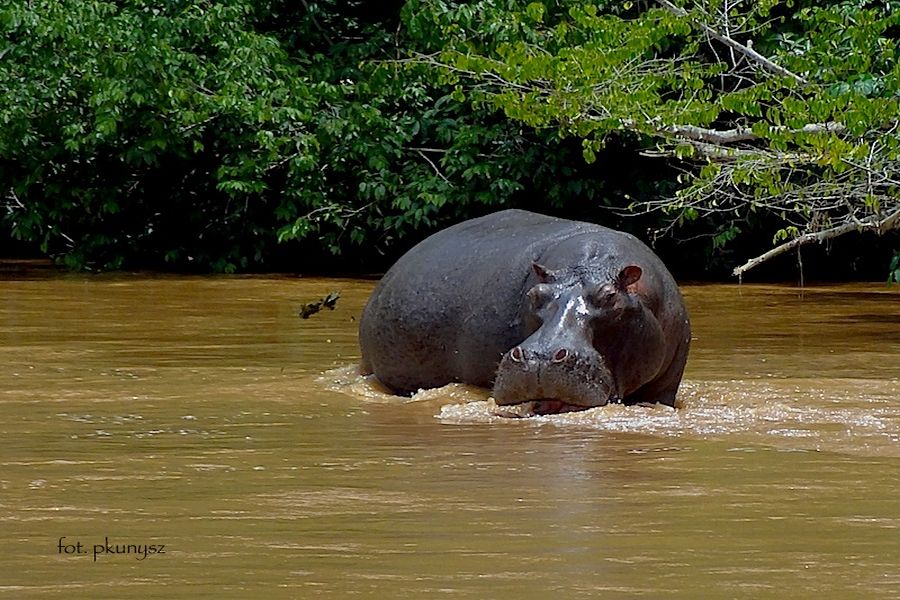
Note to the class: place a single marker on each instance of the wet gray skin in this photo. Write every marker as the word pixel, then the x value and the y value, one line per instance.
pixel 559 367
pixel 563 314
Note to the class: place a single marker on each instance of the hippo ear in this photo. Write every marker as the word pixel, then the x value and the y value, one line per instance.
pixel 544 274
pixel 628 276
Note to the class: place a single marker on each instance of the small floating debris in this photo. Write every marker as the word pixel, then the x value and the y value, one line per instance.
pixel 311 308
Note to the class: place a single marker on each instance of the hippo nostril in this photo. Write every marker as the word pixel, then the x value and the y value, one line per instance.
pixel 517 355
pixel 561 355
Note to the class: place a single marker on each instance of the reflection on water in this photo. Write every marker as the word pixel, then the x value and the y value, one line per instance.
pixel 202 415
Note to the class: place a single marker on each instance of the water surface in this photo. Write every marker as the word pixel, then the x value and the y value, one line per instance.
pixel 200 414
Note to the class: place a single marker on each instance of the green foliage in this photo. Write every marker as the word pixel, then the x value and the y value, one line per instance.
pixel 894 269
pixel 201 135
pixel 144 127
pixel 198 135
pixel 807 130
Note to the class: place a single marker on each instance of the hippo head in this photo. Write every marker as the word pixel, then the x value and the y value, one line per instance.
pixel 560 367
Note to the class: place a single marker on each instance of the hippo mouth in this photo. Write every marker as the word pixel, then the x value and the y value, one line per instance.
pixel 553 406
pixel 540 384
pixel 544 406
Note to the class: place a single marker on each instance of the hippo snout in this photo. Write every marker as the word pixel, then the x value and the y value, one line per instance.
pixel 558 378
pixel 517 355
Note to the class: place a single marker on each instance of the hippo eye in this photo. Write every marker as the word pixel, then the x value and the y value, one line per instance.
pixel 539 296
pixel 603 297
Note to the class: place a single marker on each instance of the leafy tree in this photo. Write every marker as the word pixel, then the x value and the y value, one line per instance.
pixel 198 134
pixel 146 127
pixel 780 108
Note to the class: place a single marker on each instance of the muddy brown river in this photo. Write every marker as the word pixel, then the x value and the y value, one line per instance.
pixel 176 437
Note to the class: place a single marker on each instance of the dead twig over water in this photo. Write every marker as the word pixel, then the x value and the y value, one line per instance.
pixel 311 308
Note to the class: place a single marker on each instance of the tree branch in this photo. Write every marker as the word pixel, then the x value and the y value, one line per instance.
pixel 434 166
pixel 688 132
pixel 742 134
pixel 716 153
pixel 880 226
pixel 12 196
pixel 316 23
pixel 747 51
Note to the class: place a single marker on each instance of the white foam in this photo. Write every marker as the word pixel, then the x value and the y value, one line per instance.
pixel 843 415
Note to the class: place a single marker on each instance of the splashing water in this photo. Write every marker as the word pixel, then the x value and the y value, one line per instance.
pixel 844 415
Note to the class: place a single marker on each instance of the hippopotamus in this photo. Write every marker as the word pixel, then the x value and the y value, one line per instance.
pixel 563 314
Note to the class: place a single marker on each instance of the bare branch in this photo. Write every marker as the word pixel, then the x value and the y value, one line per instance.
pixel 742 134
pixel 187 128
pixel 431 59
pixel 892 221
pixel 880 226
pixel 435 150
pixel 283 161
pixel 882 175
pixel 15 198
pixel 434 166
pixel 316 23
pixel 723 154
pixel 731 43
